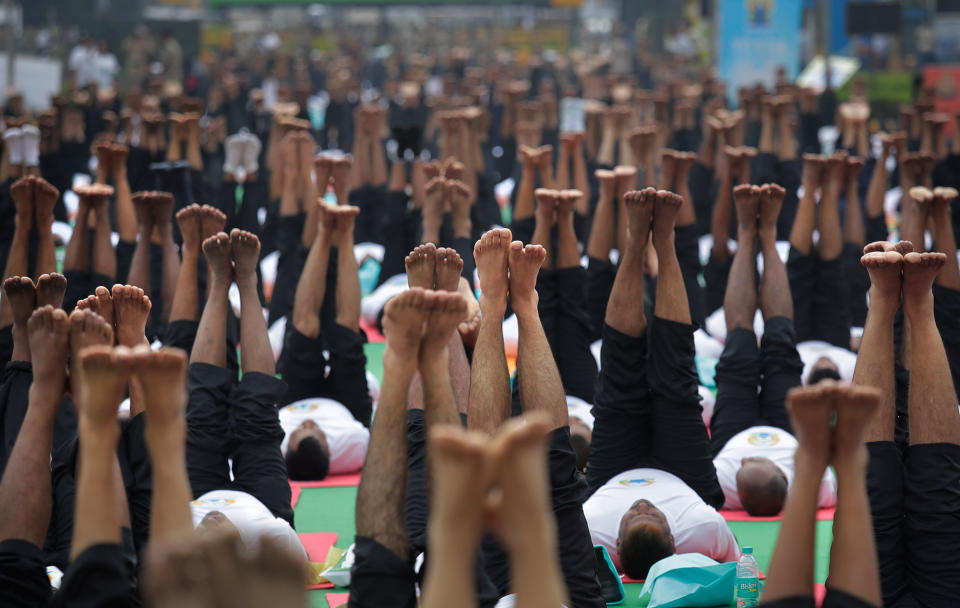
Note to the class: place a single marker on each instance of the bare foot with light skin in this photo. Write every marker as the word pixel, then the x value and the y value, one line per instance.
pixel 608 182
pixel 771 201
pixel 161 207
pixel 491 256
pixel 448 268
pixel 217 251
pixel 131 309
pixel 87 328
pixel 162 378
pixel 105 371
pixel 50 289
pixel 446 311
pixel 421 266
pixel 640 205
pixel 855 406
pixel 811 412
pixel 546 212
pixel 747 201
pixel 245 250
pixel 189 219
pixel 48 331
pixel 343 220
pixel 460 472
pixel 566 199
pixel 46 198
pixel 404 317
pixel 626 178
pixel 212 221
pixel 101 303
pixel 525 262
pixel 919 272
pixel 665 216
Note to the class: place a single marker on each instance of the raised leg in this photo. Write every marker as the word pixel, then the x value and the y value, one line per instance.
pixel 211 343
pixel 256 355
pixel 740 300
pixel 46 198
pixel 623 314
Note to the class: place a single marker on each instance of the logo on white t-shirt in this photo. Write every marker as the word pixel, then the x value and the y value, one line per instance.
pixel 303 406
pixel 213 502
pixel 642 481
pixel 763 438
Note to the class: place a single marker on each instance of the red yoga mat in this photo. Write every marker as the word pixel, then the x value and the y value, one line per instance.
pixel 333 481
pixel 317 545
pixel 335 600
pixel 740 515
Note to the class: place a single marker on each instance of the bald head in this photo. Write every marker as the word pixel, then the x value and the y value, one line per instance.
pixel 762 487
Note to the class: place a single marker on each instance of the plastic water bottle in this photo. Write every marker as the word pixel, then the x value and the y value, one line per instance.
pixel 748 580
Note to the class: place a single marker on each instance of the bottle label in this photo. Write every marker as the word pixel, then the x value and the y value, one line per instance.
pixel 748 588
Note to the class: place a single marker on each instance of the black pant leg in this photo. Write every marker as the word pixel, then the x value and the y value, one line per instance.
pixel 701 189
pixel 931 534
pixel 138 478
pixel 301 365
pixel 738 375
pixel 622 418
pixel 397 241
pixel 522 229
pixel 686 243
pixel 6 344
pixel 802 274
pixel 258 465
pixel 464 246
pixel 100 576
pixel 380 578
pixel 181 334
pixel 781 368
pixel 547 306
pixel 124 258
pixel 885 488
pixel 347 382
pixel 14 401
pixel 789 175
pixel 715 275
pixel 876 228
pixel 831 307
pixel 289 266
pixel 946 312
pixel 858 282
pixel 23 575
pixel 208 430
pixel 575 361
pixel 600 277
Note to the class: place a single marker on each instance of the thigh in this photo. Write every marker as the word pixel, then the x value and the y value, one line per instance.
pixel 208 427
pixel 781 369
pixel 621 408
pixel 380 578
pixel 302 364
pixel 347 382
pixel 258 465
pixel 932 532
pixel 885 476
pixel 23 575
pixel 738 375
pixel 678 439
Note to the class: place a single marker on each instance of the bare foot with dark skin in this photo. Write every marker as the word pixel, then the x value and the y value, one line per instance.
pixel 566 199
pixel 665 216
pixel 161 206
pixel 747 200
pixel 50 289
pixel 101 303
pixel 448 268
pixel 19 294
pixel 217 251
pixel 421 266
pixel 943 198
pixel 491 256
pixel 884 268
pixel 433 209
pixel 245 250
pixel 855 406
pixel 404 317
pixel 608 182
pixel 919 272
pixel 22 192
pixel 626 178
pixel 49 330
pixel 813 165
pixel 189 220
pixel 811 412
pixel 142 207
pixel 640 205
pixel 771 201
pixel 525 262
pixel 546 206
pixel 131 309
pixel 212 221
pixel 105 371
pixel 46 198
pixel 162 377
pixel 87 328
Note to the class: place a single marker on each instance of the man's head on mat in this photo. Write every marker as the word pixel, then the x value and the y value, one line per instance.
pixel 308 454
pixel 762 486
pixel 216 524
pixel 823 368
pixel 645 539
pixel 580 437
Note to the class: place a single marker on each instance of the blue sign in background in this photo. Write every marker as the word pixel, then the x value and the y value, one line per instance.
pixel 754 37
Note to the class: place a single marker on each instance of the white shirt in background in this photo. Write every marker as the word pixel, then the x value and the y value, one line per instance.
pixel 766 442
pixel 251 517
pixel 346 437
pixel 695 525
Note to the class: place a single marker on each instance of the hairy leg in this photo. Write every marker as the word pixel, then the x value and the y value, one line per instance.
pixel 740 300
pixel 775 297
pixel 623 314
pixel 211 343
pixel 256 355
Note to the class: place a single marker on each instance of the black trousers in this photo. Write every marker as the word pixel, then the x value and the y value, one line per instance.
pixel 686 244
pixel 833 599
pixel 775 367
pixel 238 421
pixel 332 365
pixel 915 504
pixel 401 237
pixel 820 292
pixel 292 258
pixel 715 276
pixel 647 409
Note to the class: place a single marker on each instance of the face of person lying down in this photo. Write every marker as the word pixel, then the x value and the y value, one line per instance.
pixel 217 524
pixel 643 513
pixel 308 428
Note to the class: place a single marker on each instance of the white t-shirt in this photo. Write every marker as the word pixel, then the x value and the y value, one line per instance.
pixel 347 438
pixel 695 525
pixel 767 442
pixel 251 517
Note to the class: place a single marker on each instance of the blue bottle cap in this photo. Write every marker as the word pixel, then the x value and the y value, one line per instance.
pixel 747 550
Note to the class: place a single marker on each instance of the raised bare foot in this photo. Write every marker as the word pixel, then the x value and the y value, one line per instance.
pixel 919 272
pixel 48 331
pixel 856 406
pixel 50 289
pixel 22 192
pixel 217 251
pixel 566 199
pixel 163 378
pixel 747 200
pixel 189 220
pixel 446 310
pixel 668 166
pixel 490 254
pixel 421 266
pixel 275 575
pixel 161 207
pixel 212 221
pixel 771 201
pixel 921 195
pixel 21 295
pixel 813 165
pixel 46 198
pixel 449 266
pixel 525 262
pixel 665 217
pixel 884 268
pixel 811 412
pixel 626 178
pixel 640 205
pixel 608 182
pixel 87 328
pixel 131 309
pixel 105 371
pixel 141 205
pixel 546 206
pixel 459 473
pixel 403 325
pixel 942 199
pixel 344 220
pixel 852 169
pixel 245 251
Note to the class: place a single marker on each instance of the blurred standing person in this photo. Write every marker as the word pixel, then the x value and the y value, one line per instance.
pixel 171 56
pixel 106 67
pixel 138 48
pixel 82 63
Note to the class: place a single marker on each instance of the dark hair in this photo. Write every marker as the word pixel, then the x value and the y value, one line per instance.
pixel 581 447
pixel 643 547
pixel 762 497
pixel 822 373
pixel 309 462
